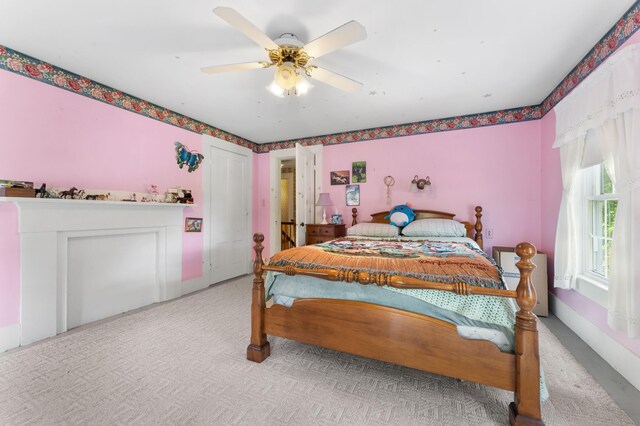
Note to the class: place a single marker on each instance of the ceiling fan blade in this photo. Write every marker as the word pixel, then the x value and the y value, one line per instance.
pixel 234 19
pixel 349 33
pixel 216 69
pixel 336 80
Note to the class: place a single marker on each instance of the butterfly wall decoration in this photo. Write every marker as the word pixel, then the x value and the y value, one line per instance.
pixel 192 159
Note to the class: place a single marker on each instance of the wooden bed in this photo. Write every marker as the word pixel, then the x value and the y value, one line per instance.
pixel 406 338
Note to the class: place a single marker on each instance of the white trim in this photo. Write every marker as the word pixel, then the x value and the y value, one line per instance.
pixel 618 356
pixel 9 337
pixel 207 143
pixel 274 189
pixel 194 284
pixel 318 150
pixel 274 195
pixel 592 288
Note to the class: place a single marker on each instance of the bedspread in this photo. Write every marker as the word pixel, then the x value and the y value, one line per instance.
pixel 435 261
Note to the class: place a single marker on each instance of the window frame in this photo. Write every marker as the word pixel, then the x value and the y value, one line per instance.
pixel 589 283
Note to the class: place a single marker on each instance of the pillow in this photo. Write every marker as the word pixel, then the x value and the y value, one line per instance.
pixel 435 228
pixel 373 230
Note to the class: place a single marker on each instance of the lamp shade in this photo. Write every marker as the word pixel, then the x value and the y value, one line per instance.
pixel 324 200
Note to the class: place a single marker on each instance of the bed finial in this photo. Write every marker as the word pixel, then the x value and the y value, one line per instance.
pixel 526 408
pixel 258 238
pixel 526 291
pixel 354 215
pixel 478 226
pixel 259 348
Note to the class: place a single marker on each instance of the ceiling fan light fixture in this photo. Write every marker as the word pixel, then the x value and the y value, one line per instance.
pixel 302 85
pixel 275 89
pixel 286 76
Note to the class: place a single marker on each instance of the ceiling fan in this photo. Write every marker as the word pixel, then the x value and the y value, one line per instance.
pixel 291 57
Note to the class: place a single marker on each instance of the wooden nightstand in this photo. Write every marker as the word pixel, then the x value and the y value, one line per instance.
pixel 317 233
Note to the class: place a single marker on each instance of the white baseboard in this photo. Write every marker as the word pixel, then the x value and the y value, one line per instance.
pixel 9 337
pixel 619 357
pixel 194 284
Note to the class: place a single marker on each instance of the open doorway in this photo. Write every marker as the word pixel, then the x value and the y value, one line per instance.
pixel 301 168
pixel 287 203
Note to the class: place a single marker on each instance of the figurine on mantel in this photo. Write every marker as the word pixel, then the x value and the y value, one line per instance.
pixel 42 192
pixel 186 197
pixel 70 193
pixel 155 195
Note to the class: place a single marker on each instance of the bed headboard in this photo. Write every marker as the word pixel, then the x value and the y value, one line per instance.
pixel 474 231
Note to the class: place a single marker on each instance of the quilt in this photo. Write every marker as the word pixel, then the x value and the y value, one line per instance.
pixel 434 261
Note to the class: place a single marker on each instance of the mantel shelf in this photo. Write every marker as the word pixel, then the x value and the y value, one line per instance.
pixel 24 200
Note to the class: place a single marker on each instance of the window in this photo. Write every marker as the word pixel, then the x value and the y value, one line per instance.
pixel 600 212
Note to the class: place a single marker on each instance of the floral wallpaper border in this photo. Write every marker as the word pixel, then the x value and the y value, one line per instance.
pixel 25 65
pixel 36 69
pixel 612 40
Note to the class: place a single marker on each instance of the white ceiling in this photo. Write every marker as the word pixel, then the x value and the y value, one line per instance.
pixel 422 59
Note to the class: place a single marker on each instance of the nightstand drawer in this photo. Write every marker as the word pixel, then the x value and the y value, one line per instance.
pixel 318 240
pixel 317 233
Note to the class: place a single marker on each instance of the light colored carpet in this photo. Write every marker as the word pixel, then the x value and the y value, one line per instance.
pixel 183 362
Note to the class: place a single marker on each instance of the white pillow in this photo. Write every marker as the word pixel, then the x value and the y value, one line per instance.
pixel 373 230
pixel 434 228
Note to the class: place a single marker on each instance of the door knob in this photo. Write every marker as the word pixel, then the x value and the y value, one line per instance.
pixel 302 224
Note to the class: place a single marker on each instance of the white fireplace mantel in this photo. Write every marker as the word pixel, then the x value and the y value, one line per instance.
pixel 93 252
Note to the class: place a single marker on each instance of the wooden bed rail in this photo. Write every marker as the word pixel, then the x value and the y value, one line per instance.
pixel 397 281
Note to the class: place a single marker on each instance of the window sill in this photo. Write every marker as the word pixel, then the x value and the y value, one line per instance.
pixel 593 288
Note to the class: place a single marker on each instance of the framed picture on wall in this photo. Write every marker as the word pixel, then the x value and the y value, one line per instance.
pixel 353 195
pixel 359 171
pixel 193 224
pixel 340 177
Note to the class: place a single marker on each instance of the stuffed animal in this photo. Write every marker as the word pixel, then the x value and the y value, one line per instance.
pixel 401 215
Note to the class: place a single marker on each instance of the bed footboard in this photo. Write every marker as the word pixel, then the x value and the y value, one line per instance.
pixel 405 338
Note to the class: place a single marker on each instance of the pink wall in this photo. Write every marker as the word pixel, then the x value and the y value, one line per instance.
pixel 550 206
pixel 496 167
pixel 54 136
pixel 261 196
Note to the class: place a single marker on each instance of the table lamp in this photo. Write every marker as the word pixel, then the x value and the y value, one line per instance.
pixel 324 201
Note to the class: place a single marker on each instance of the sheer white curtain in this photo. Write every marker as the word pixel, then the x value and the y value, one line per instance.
pixel 607 102
pixel 565 257
pixel 621 149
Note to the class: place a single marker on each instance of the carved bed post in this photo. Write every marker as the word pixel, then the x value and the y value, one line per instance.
pixel 526 408
pixel 478 226
pixel 259 348
pixel 354 215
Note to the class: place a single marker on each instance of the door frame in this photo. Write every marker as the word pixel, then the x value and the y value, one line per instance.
pixel 209 142
pixel 274 195
pixel 274 189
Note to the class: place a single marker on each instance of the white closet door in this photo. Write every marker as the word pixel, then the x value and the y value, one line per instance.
pixel 229 231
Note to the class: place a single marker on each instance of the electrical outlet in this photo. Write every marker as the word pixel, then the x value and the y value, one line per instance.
pixel 489 233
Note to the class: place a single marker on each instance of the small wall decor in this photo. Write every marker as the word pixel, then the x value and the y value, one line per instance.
pixel 340 177
pixel 389 181
pixel 419 184
pixel 193 224
pixel 359 171
pixel 192 159
pixel 353 195
pixel 336 219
